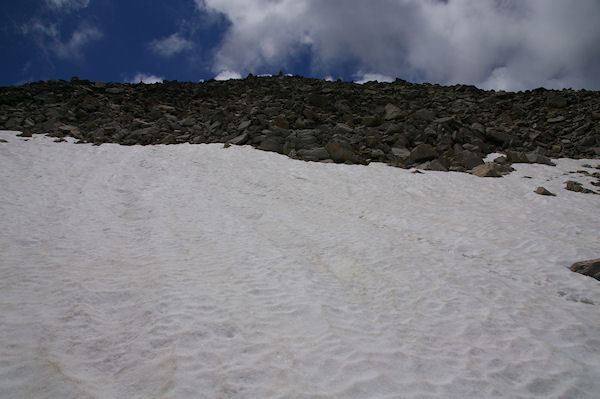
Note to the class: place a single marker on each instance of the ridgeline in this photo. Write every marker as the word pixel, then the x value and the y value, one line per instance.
pixel 400 123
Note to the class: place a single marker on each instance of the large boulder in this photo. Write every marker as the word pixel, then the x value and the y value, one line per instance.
pixel 588 268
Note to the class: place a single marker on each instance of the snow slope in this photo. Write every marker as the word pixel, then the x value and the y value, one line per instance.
pixel 196 271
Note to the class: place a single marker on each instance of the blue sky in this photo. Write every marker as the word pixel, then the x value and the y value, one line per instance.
pixel 499 44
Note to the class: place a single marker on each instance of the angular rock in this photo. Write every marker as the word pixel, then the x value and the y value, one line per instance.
pixel 589 268
pixel 187 122
pixel 557 101
pixel 392 112
pixel 239 140
pixel 272 143
pixel 400 152
pixel 114 90
pixel 488 169
pixel 244 125
pixel 556 119
pixel 534 157
pixel 497 135
pixel 424 115
pixel 422 153
pixel 340 152
pixel 315 154
pixel 516 157
pixel 435 165
pixel 468 159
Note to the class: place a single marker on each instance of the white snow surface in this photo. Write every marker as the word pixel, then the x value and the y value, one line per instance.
pixel 194 271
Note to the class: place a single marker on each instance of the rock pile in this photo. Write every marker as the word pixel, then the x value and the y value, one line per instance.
pixel 400 123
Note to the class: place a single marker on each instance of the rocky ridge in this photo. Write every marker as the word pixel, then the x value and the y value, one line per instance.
pixel 400 123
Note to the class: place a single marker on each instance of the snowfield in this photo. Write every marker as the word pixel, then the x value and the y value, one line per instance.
pixel 194 271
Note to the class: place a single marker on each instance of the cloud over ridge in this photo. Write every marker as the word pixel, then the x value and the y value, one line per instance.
pixel 501 44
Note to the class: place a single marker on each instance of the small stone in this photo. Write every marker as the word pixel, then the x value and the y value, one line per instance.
pixel 542 191
pixel 587 268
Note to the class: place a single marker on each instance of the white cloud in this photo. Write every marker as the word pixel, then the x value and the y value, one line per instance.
pixel 508 44
pixel 67 4
pixel 48 37
pixel 374 77
pixel 73 48
pixel 227 74
pixel 170 45
pixel 146 78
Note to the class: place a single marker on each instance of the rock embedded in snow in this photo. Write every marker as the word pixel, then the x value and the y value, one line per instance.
pixel 534 157
pixel 488 169
pixel 577 187
pixel 588 268
pixel 543 191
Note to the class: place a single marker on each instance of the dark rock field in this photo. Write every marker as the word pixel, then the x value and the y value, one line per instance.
pixel 403 124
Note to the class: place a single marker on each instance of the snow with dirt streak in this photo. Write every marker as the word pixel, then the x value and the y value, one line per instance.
pixel 194 271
